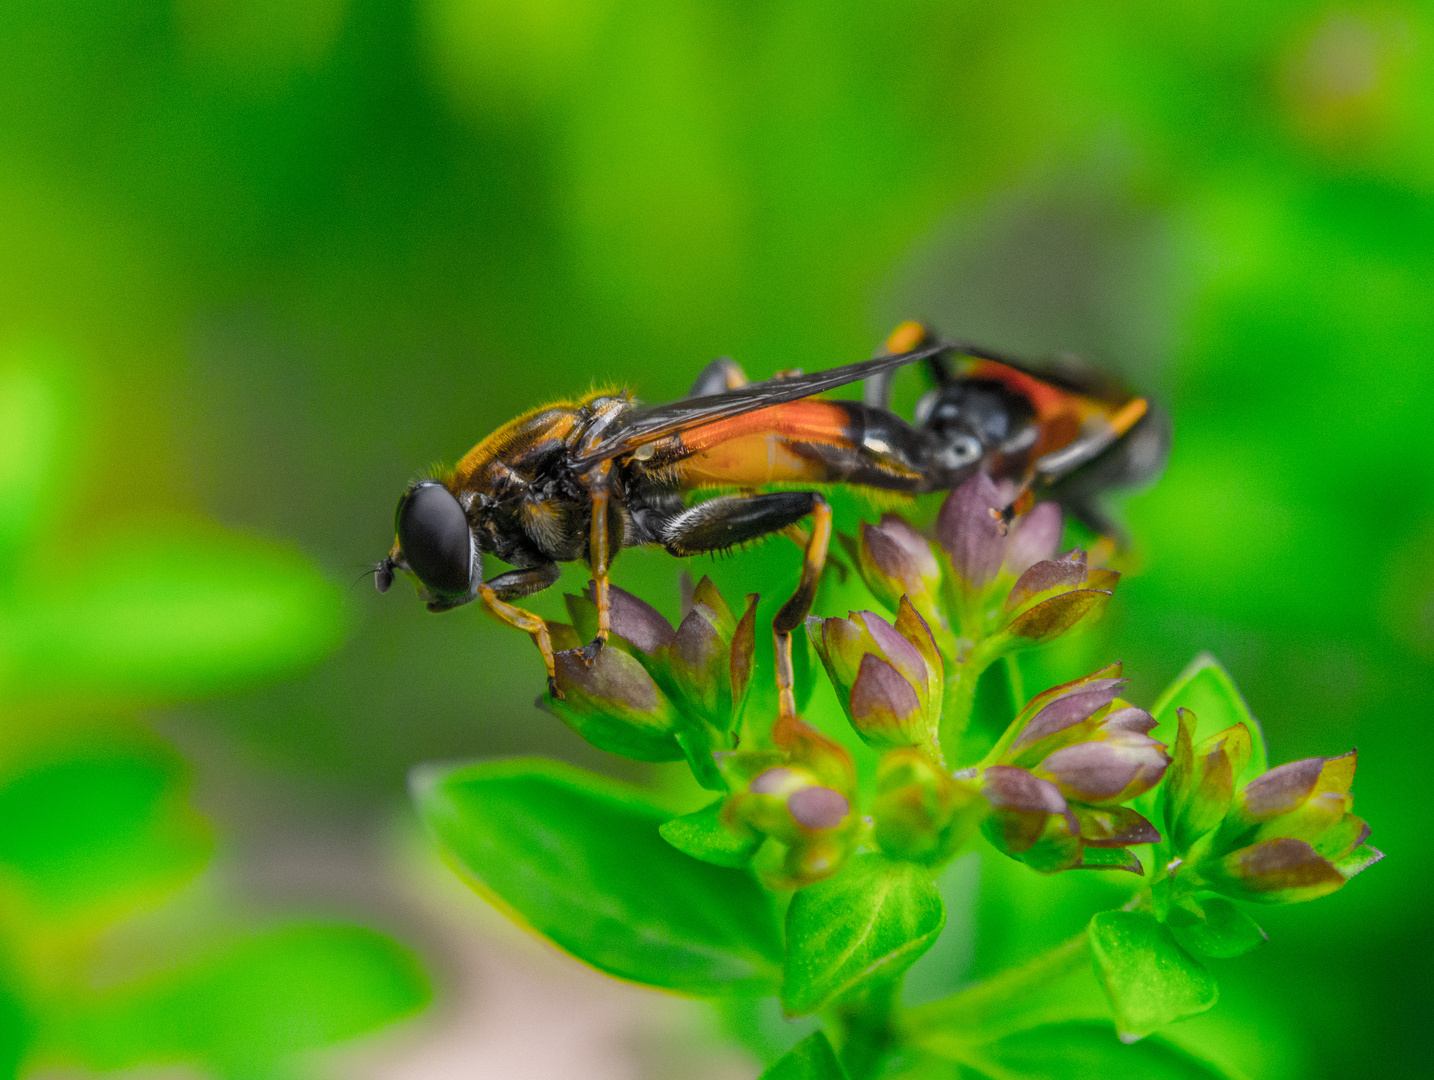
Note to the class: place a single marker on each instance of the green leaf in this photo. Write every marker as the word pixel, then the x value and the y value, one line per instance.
pixel 702 835
pixel 174 611
pixel 1150 980
pixel 250 1004
pixel 811 1059
pixel 580 860
pixel 1207 690
pixel 91 831
pixel 1213 926
pixel 865 925
pixel 1084 1049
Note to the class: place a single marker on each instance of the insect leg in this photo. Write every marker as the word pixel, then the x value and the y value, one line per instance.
pixel 599 555
pixel 496 593
pixel 718 377
pixel 724 522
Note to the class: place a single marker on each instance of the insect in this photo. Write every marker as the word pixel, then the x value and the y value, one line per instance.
pixel 582 480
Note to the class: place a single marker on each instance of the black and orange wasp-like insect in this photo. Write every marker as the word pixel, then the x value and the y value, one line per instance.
pixel 584 479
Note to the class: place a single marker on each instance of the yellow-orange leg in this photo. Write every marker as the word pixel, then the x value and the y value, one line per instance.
pixel 795 610
pixel 528 622
pixel 599 555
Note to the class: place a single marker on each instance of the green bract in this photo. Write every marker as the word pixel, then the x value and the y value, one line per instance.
pixel 845 817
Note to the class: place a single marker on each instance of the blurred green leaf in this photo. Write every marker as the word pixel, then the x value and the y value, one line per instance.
pixel 580 860
pixel 247 1006
pixel 88 831
pixel 1207 690
pixel 31 415
pixel 1213 926
pixel 1150 980
pixel 702 835
pixel 165 612
pixel 864 926
pixel 811 1059
pixel 1085 1049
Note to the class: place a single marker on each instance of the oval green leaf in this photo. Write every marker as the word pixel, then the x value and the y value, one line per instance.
pixel 866 925
pixel 579 859
pixel 1150 980
pixel 1206 689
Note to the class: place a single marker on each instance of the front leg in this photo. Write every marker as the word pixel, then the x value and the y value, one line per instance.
pixel 724 522
pixel 496 593
pixel 600 548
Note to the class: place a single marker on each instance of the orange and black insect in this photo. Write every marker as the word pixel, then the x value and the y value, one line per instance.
pixel 583 480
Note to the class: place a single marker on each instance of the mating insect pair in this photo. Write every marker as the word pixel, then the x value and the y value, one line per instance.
pixel 584 479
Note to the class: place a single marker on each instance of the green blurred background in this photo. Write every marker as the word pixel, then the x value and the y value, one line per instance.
pixel 261 262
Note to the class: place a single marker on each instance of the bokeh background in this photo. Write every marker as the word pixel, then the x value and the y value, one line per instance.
pixel 261 262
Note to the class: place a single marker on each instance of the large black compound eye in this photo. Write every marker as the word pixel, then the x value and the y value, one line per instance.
pixel 433 533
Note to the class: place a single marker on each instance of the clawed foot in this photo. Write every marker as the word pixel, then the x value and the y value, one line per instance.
pixel 589 652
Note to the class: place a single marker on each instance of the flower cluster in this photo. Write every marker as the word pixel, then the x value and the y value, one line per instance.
pixel 1057 781
pixel 655 693
pixel 1286 836
pixel 799 799
pixel 986 586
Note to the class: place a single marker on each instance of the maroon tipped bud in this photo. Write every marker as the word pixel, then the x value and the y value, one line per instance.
pixel 889 678
pixel 1035 537
pixel 1051 618
pixel 632 619
pixel 970 531
pixel 707 663
pixel 613 703
pixel 1029 819
pixel 895 561
pixel 922 813
pixel 1114 826
pixel 818 807
pixel 1109 771
pixel 1281 871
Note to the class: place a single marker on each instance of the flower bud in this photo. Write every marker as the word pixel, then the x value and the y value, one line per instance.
pixel 895 561
pixel 1030 820
pixel 1202 779
pixel 921 813
pixel 1288 835
pixel 1034 537
pixel 889 677
pixel 613 703
pixel 709 658
pixel 800 797
pixel 971 533
pixel 1111 768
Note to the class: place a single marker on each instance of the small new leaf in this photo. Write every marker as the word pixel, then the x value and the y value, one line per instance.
pixel 864 926
pixel 811 1059
pixel 1149 978
pixel 702 835
pixel 1213 926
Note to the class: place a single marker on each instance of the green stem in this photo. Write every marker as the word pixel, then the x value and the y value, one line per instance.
pixel 971 1007
pixel 959 700
pixel 865 1028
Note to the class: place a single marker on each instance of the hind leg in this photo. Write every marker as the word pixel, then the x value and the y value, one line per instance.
pixel 724 522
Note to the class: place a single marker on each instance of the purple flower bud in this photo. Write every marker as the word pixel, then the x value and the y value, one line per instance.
pixel 633 620
pixel 1061 713
pixel 613 703
pixel 1106 772
pixel 895 561
pixel 1281 871
pixel 818 807
pixel 1035 537
pixel 707 662
pixel 970 531
pixel 1027 811
pixel 889 678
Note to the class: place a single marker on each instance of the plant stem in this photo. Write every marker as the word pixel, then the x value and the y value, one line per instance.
pixel 866 1031
pixel 972 1006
